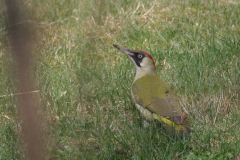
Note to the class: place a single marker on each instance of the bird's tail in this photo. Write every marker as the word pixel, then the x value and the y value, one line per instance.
pixel 180 129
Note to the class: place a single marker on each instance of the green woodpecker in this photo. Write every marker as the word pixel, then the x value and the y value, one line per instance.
pixel 152 96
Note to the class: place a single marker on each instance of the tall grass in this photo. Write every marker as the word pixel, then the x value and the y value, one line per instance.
pixel 84 83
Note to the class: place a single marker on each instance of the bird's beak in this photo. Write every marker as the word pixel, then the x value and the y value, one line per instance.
pixel 124 50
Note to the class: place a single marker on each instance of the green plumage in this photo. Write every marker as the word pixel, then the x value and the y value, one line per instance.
pixel 153 94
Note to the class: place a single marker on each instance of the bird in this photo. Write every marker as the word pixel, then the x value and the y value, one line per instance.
pixel 153 97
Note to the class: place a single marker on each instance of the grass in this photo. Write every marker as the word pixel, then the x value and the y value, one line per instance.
pixel 84 83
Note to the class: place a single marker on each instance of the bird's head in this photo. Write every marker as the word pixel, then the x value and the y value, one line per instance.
pixel 142 61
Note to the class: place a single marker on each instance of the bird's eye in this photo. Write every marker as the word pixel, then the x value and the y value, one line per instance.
pixel 140 56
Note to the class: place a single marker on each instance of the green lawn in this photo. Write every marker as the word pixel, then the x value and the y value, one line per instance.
pixel 84 82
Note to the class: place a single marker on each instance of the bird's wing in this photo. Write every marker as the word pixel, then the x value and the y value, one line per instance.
pixel 154 94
